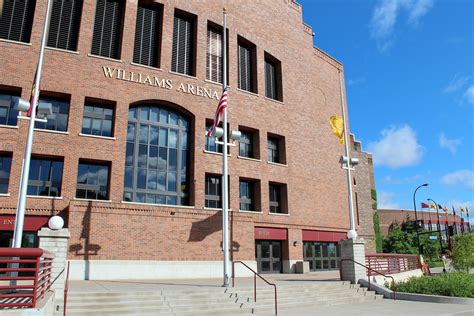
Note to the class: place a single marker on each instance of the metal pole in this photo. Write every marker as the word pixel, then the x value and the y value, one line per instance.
pixel 416 217
pixel 352 232
pixel 20 212
pixel 225 171
pixel 439 226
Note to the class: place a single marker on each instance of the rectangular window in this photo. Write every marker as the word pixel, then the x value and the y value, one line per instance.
pixel 106 38
pixel 16 20
pixel 273 150
pixel 273 78
pixel 275 198
pixel 211 141
pixel 246 144
pixel 247 200
pixel 147 35
pixel 246 55
pixel 5 167
pixel 92 181
pixel 213 198
pixel 214 65
pixel 59 120
pixel 45 177
pixel 8 115
pixel 64 24
pixel 97 120
pixel 182 60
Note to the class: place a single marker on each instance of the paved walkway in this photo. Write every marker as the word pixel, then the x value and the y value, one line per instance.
pixel 378 307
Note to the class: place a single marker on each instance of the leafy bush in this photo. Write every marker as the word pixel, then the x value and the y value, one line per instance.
pixel 458 284
pixel 463 252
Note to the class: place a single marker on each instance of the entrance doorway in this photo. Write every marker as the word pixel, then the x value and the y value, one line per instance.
pixel 268 254
pixel 29 239
pixel 322 255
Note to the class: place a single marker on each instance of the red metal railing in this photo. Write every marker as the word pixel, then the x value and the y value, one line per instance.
pixel 392 263
pixel 371 270
pixel 25 276
pixel 255 274
pixel 66 289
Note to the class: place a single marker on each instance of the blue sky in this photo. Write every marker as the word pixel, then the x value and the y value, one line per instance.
pixel 410 91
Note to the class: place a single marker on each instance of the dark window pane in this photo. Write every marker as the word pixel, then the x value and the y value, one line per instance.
pixel 106 38
pixel 183 46
pixel 45 177
pixel 59 120
pixel 16 20
pixel 64 24
pixel 8 115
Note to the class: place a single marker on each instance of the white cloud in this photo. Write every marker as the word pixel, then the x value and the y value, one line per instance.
pixel 450 144
pixel 461 177
pixel 456 83
pixel 356 81
pixel 385 16
pixel 385 201
pixel 469 94
pixel 398 148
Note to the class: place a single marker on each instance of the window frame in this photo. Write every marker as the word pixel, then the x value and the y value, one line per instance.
pixel 26 25
pixel 210 145
pixel 12 113
pixel 73 28
pixel 216 198
pixel 119 38
pixel 246 144
pixel 276 84
pixel 155 60
pixel 5 182
pixel 56 107
pixel 48 183
pixel 192 20
pixel 93 187
pixel 242 43
pixel 98 116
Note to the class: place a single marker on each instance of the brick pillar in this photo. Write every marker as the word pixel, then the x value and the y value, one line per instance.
pixel 355 250
pixel 56 241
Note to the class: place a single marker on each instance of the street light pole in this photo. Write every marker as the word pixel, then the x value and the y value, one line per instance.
pixel 20 212
pixel 416 217
pixel 439 225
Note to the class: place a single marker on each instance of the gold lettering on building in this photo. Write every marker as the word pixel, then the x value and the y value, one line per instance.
pixel 153 81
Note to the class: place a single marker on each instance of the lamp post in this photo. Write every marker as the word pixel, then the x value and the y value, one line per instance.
pixel 416 216
pixel 439 226
pixel 20 212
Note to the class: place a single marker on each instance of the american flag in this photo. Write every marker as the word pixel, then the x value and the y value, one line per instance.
pixel 219 112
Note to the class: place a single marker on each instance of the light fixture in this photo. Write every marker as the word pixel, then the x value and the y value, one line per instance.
pixel 56 222
pixel 296 243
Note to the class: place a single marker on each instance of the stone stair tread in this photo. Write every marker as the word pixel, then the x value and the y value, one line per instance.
pixel 118 311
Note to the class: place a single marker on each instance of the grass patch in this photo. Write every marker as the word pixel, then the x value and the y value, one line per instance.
pixel 459 284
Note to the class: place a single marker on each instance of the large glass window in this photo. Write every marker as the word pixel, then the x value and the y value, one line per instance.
pixel 58 121
pixel 8 115
pixel 45 177
pixel 107 34
pixel 64 24
pixel 213 191
pixel 98 120
pixel 5 167
pixel 147 34
pixel 157 156
pixel 92 181
pixel 16 20
pixel 275 198
pixel 322 255
pixel 182 60
pixel 273 150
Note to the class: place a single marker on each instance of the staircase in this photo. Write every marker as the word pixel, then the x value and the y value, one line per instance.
pixel 215 300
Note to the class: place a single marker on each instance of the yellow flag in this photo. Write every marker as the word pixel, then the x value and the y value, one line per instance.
pixel 433 206
pixel 337 126
pixel 463 210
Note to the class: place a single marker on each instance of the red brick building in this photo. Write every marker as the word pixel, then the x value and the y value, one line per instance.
pixel 427 220
pixel 125 160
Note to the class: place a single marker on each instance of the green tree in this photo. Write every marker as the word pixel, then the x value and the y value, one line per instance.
pixel 430 247
pixel 400 241
pixel 463 252
pixel 378 234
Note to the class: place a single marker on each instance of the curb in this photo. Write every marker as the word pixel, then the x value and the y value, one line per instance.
pixel 387 293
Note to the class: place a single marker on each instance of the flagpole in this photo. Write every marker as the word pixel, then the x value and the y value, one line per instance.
pixel 20 212
pixel 468 222
pixel 352 233
pixel 225 171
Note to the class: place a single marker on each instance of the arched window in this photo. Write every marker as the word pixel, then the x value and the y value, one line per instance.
pixel 156 159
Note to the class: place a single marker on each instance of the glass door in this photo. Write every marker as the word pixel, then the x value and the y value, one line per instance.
pixel 268 255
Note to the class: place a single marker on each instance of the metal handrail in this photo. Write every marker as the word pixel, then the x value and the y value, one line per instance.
pixel 66 289
pixel 255 274
pixel 368 276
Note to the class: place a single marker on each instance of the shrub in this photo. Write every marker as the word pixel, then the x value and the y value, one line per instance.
pixel 463 252
pixel 458 284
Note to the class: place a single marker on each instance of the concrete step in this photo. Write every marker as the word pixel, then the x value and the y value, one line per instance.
pixel 116 305
pixel 129 310
pixel 106 299
pixel 205 307
pixel 111 294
